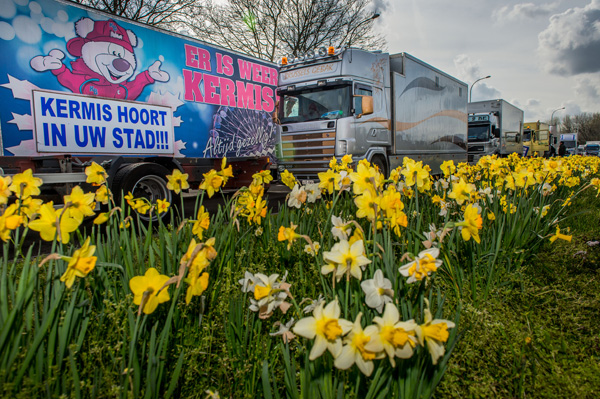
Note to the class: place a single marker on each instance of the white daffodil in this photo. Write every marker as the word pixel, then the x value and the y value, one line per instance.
pixel 313 192
pixel 312 249
pixel 313 303
pixel 284 331
pixel 424 264
pixel 268 294
pixel 378 291
pixel 434 333
pixel 297 197
pixel 349 259
pixel 340 229
pixel 326 328
pixel 361 347
pixel 247 282
pixel 397 337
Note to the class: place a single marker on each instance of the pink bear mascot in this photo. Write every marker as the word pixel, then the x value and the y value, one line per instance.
pixel 105 62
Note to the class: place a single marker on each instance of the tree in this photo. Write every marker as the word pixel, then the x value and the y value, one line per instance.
pixel 167 14
pixel 269 29
pixel 586 124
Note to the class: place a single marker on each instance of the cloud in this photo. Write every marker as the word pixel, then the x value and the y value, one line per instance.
pixel 380 5
pixel 570 45
pixel 469 71
pixel 523 11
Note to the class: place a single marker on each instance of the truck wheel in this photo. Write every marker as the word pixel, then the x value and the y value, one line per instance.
pixel 147 180
pixel 380 163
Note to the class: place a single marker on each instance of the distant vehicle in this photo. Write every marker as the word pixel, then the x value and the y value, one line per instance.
pixel 495 127
pixel 592 148
pixel 536 139
pixel 376 106
pixel 581 149
pixel 570 140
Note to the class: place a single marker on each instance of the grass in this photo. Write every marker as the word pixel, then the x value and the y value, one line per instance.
pixel 537 335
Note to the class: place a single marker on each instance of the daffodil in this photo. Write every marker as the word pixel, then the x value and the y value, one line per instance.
pixel 378 291
pixel 367 205
pixel 197 286
pixel 397 338
pixel 448 168
pixel 177 181
pixel 560 235
pixel 297 197
pixel 141 205
pixel 288 234
pixel 79 204
pixel 422 266
pixel 4 189
pixel 203 222
pixel 199 255
pixel 29 206
pixel 313 249
pixel 366 178
pixel 349 259
pixel 96 174
pixel 288 179
pixel 103 194
pixel 101 218
pixel 9 221
pixel 247 282
pixel 226 171
pixel 80 264
pixel 434 333
pixel 52 222
pixel 129 198
pixel 262 177
pixel 212 183
pixel 361 348
pixel 329 181
pixel 269 293
pixel 415 174
pixel 472 224
pixel 146 288
pixel 326 327
pixel 340 229
pixel 25 184
pixel 313 192
pixel 162 206
pixel 461 191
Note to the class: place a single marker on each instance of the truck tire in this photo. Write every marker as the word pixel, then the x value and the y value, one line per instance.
pixel 378 161
pixel 147 180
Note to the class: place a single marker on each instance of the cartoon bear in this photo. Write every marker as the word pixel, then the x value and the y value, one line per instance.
pixel 105 62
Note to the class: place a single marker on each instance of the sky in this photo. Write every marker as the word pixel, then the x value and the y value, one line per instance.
pixel 541 55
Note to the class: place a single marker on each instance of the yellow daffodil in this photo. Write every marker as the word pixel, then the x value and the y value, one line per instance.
pixel 212 183
pixel 329 181
pixel 130 200
pixel 4 189
pixel 472 224
pixel 349 259
pixel 397 338
pixel 96 174
pixel 197 286
pixel 103 194
pixel 415 174
pixel 263 177
pixel 25 184
pixel 80 204
pixel 146 288
pixel 560 235
pixel 491 216
pixel 141 205
pixel 101 218
pixel 288 234
pixel 80 264
pixel 162 206
pixel 367 205
pixel 202 224
pixel 361 348
pixel 326 327
pixel 9 221
pixel 53 222
pixel 448 168
pixel 226 171
pixel 461 191
pixel 434 333
pixel 177 181
pixel 366 178
pixel 288 179
pixel 422 266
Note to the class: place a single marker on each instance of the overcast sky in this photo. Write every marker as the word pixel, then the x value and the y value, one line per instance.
pixel 541 55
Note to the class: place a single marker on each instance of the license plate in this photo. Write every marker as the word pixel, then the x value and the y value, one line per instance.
pixel 306 181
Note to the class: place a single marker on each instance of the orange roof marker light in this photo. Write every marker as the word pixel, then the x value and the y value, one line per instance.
pixel 284 61
pixel 331 50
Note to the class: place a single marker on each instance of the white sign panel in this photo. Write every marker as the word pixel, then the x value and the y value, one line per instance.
pixel 87 125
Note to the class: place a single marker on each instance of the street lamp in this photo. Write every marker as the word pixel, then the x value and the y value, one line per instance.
pixel 471 90
pixel 552 116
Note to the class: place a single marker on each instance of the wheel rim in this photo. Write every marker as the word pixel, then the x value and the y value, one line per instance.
pixel 152 188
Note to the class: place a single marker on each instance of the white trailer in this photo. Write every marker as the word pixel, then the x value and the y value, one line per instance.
pixel 373 105
pixel 495 127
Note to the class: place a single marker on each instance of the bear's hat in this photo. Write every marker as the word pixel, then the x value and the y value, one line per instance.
pixel 104 31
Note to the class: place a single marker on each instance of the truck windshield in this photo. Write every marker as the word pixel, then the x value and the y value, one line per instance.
pixel 526 134
pixel 479 133
pixel 315 104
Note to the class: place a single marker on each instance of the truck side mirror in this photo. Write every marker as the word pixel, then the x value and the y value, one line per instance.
pixel 366 105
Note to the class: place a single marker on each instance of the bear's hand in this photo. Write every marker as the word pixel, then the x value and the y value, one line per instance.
pixel 157 74
pixel 47 63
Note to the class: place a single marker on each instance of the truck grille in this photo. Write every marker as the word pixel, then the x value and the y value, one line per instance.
pixel 306 153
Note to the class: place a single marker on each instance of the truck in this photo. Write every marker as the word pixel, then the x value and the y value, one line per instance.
pixel 495 128
pixel 570 140
pixel 78 85
pixel 592 148
pixel 376 106
pixel 536 139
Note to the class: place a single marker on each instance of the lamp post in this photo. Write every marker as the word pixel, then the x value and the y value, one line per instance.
pixel 471 90
pixel 552 116
pixel 351 32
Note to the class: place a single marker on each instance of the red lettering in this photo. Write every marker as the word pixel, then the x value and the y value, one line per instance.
pixel 227 91
pixel 258 100
pixel 267 95
pixel 245 68
pixel 245 98
pixel 219 64
pixel 264 73
pixel 256 70
pixel 191 84
pixel 210 93
pixel 273 75
pixel 191 56
pixel 228 65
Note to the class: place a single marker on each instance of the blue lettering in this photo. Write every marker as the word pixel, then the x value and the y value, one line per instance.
pixel 61 108
pixel 133 115
pixel 81 142
pixel 128 132
pixel 87 111
pixel 163 114
pixel 107 113
pixel 150 139
pixel 47 106
pixel 46 135
pixel 144 116
pixel 139 139
pixel 154 117
pixel 122 114
pixel 118 140
pixel 59 135
pixel 74 110
pixel 97 136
